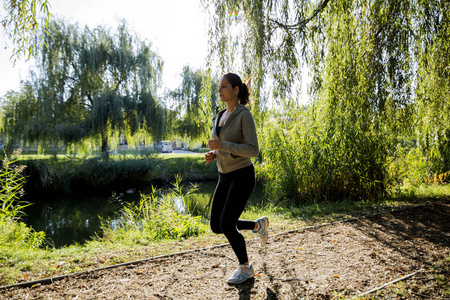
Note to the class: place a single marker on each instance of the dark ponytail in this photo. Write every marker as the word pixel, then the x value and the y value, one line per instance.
pixel 244 93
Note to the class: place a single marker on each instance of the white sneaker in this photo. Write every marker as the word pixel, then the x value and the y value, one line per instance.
pixel 241 274
pixel 262 230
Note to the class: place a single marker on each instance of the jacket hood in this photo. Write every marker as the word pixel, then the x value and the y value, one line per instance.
pixel 240 108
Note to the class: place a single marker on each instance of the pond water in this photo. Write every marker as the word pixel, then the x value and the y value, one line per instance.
pixel 75 219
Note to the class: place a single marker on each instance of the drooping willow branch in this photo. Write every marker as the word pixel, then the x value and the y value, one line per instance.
pixel 302 23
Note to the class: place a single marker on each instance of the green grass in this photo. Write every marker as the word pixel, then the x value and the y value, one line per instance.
pixel 33 263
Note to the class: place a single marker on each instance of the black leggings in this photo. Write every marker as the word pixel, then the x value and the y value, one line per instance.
pixel 231 195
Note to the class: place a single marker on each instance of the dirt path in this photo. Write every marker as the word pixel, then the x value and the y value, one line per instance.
pixel 345 258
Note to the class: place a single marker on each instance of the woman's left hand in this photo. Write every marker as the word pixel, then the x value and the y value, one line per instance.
pixel 209 157
pixel 214 144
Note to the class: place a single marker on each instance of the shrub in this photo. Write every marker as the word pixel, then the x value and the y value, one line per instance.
pixel 14 233
pixel 78 175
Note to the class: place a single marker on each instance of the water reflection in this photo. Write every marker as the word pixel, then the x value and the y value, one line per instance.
pixel 70 220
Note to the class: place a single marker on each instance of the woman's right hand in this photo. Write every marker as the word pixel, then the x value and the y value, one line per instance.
pixel 209 157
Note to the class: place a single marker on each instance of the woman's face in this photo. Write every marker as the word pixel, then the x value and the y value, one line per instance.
pixel 226 91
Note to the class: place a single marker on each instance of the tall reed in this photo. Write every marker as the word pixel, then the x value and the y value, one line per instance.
pixel 306 158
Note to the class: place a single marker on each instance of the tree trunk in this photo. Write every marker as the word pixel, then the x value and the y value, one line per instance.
pixel 105 152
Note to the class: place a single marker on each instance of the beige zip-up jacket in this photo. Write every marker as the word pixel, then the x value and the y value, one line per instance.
pixel 239 140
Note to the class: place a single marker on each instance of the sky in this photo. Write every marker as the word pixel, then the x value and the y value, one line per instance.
pixel 177 30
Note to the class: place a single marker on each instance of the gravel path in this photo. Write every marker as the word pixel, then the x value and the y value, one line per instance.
pixel 346 258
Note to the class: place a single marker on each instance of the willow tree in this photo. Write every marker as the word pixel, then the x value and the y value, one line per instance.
pixel 21 23
pixel 195 103
pixel 90 86
pixel 373 64
pixel 433 83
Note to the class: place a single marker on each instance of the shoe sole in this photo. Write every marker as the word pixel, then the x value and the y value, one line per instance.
pixel 235 283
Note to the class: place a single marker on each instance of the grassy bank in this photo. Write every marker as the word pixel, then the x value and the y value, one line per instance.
pixel 134 238
pixel 66 175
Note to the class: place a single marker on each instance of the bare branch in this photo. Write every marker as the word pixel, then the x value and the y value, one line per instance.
pixel 303 22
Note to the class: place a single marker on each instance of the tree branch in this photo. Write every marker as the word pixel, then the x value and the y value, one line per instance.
pixel 303 22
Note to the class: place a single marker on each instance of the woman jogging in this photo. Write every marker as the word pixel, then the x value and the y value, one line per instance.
pixel 233 143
